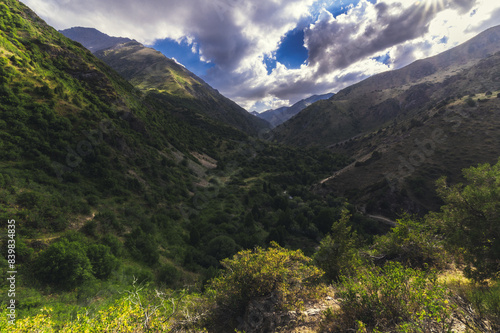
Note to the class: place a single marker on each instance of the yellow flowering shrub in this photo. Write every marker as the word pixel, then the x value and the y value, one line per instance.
pixel 124 316
pixel 279 273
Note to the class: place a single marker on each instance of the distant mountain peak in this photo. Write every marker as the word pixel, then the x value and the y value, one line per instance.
pixel 93 39
pixel 280 115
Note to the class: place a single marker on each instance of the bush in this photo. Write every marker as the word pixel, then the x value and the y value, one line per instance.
pixel 60 223
pixel 470 219
pixel 114 244
pixel 413 243
pixel 29 200
pixel 90 228
pixel 337 253
pixel 169 275
pixel 222 247
pixel 470 102
pixel 63 265
pixel 485 302
pixel 102 260
pixel 276 272
pixel 392 299
pixel 142 247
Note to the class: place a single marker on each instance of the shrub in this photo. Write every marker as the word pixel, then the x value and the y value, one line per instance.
pixel 413 243
pixel 142 247
pixel 114 244
pixel 276 272
pixel 392 299
pixel 470 219
pixel 60 223
pixel 470 102
pixel 169 275
pixel 90 228
pixel 485 301
pixel 337 253
pixel 63 264
pixel 102 260
pixel 107 219
pixel 29 200
pixel 222 247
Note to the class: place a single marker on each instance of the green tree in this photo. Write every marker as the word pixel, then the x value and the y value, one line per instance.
pixel 64 265
pixel 470 218
pixel 222 247
pixel 142 247
pixel 102 260
pixel 337 254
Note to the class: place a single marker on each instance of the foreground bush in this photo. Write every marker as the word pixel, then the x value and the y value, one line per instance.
pixel 470 219
pixel 392 299
pixel 64 265
pixel 482 305
pixel 137 311
pixel 412 242
pixel 284 275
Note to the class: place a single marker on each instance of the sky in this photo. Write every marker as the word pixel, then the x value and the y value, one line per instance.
pixel 264 54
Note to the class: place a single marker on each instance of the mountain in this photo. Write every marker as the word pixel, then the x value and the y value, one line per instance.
pixel 74 133
pixel 408 127
pixel 153 73
pixel 93 39
pixel 115 200
pixel 278 116
pixel 108 183
pixel 400 94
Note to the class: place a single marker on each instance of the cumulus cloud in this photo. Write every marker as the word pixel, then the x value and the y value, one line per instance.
pixel 366 29
pixel 237 36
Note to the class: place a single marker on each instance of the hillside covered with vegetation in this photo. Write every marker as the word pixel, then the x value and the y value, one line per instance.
pixel 166 80
pixel 135 213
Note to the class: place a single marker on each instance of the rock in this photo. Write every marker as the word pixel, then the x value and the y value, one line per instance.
pixel 261 316
pixel 313 312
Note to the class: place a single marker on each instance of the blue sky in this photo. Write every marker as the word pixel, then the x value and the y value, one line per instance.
pixel 184 53
pixel 266 54
pixel 291 51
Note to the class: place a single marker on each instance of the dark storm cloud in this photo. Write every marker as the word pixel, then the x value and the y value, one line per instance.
pixel 462 5
pixel 335 44
pixel 217 26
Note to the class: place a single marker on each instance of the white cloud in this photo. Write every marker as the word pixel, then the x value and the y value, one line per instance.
pixel 236 35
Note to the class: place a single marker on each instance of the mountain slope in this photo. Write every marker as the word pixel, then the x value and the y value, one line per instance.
pixel 88 162
pixel 450 122
pixel 77 138
pixel 150 71
pixel 279 116
pixel 383 98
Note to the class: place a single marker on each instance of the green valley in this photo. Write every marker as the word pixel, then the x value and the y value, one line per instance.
pixel 134 197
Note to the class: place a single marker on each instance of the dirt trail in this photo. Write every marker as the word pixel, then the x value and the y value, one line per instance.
pixel 347 168
pixel 383 219
pixel 76 224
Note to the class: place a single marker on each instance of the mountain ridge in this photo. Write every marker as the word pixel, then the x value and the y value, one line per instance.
pixel 152 72
pixel 435 121
pixel 280 115
pixel 92 39
pixel 377 100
